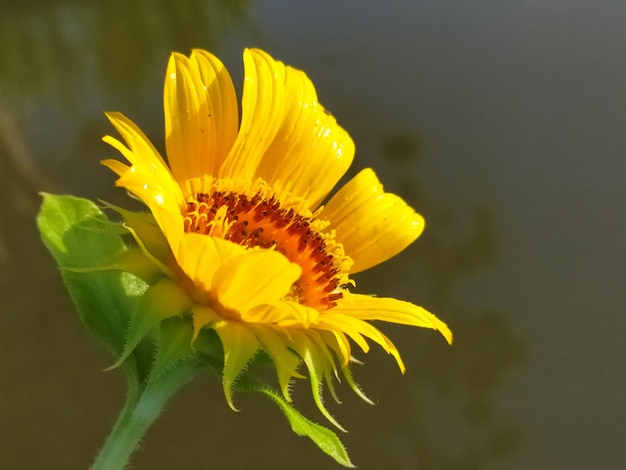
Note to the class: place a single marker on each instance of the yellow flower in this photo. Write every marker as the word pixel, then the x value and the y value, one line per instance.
pixel 250 250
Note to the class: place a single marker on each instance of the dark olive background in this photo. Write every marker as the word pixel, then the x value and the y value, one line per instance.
pixel 501 121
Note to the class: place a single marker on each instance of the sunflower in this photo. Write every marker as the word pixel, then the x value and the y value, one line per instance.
pixel 238 235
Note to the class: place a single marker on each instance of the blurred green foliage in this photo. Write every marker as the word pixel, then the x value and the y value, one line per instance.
pixel 46 47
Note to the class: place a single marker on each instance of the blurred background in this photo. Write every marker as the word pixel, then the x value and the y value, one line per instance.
pixel 501 121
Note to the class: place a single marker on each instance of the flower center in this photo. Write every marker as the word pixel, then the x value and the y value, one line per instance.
pixel 261 222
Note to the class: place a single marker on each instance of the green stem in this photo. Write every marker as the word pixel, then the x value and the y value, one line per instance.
pixel 140 411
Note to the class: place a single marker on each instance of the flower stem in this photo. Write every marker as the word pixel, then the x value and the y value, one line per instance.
pixel 141 409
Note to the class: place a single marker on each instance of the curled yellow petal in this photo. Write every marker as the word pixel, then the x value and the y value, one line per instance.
pixel 254 278
pixel 201 256
pixel 200 116
pixel 283 313
pixel 310 151
pixel 148 177
pixel 263 107
pixel 372 225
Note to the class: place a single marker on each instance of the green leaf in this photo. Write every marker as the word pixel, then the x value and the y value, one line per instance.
pixel 323 437
pixel 79 237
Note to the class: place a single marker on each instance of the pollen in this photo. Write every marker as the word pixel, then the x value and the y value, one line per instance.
pixel 258 221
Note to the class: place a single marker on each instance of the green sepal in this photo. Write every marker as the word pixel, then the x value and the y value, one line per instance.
pixel 323 437
pixel 240 346
pixel 285 360
pixel 162 300
pixel 208 344
pixel 79 235
pixel 347 373
pixel 308 349
pixel 145 228
pixel 174 346
pixel 136 262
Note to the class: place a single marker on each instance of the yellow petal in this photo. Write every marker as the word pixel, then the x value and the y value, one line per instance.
pixel 203 316
pixel 201 116
pixel 283 313
pixel 148 178
pixel 263 109
pixel 254 278
pixel 338 341
pixel 239 278
pixel 159 199
pixel 185 119
pixel 365 307
pixel 345 325
pixel 200 256
pixel 356 329
pixel 372 225
pixel 115 165
pixel 222 104
pixel 141 149
pixel 310 151
pixel 276 344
